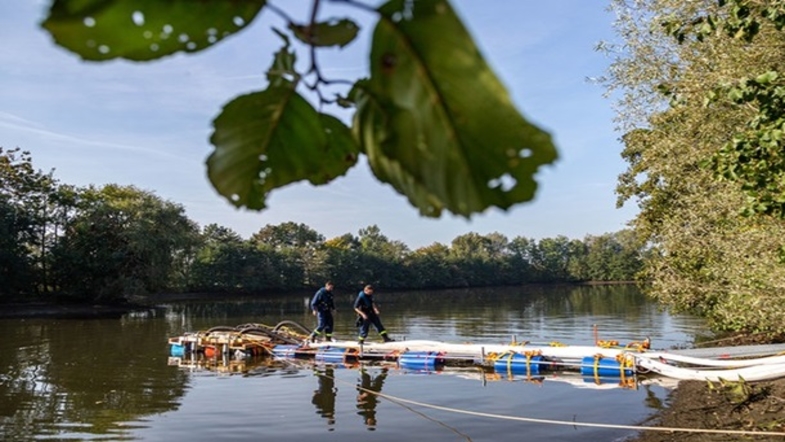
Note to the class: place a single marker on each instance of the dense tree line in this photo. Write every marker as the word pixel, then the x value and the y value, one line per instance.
pixel 112 243
pixel 702 112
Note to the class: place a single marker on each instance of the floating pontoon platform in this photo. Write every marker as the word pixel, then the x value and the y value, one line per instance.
pixel 603 359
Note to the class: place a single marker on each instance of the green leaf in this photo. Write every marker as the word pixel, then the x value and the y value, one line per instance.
pixel 282 72
pixel 331 33
pixel 435 121
pixel 266 140
pixel 144 30
pixel 767 78
pixel 341 151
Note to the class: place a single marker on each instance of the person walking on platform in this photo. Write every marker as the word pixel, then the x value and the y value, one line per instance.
pixel 368 314
pixel 323 307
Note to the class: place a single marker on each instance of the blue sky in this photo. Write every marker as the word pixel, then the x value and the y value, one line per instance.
pixel 147 124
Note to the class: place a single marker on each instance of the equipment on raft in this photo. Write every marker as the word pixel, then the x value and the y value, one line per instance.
pixel 607 359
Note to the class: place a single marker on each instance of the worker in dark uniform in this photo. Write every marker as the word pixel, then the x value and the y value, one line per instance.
pixel 368 313
pixel 366 399
pixel 323 307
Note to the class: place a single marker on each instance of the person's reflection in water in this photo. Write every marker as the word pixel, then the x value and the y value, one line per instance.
pixel 366 401
pixel 324 397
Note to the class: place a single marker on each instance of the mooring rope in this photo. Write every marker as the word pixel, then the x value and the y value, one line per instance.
pixel 573 423
pixel 425 416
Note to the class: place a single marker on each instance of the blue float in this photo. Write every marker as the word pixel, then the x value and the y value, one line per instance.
pixel 518 363
pixel 177 350
pixel 604 367
pixel 421 360
pixel 332 355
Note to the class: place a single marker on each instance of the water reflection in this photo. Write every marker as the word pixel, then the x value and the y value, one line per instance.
pixel 106 379
pixel 367 388
pixel 81 376
pixel 324 396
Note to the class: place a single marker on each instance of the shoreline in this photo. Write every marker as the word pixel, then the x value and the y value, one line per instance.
pixel 44 309
pixel 759 407
pixel 66 311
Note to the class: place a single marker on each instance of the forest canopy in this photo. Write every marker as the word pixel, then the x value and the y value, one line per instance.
pixel 114 243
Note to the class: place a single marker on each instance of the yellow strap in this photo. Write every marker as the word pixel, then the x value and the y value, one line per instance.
pixel 509 363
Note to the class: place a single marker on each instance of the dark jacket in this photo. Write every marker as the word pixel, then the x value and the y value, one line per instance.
pixel 323 301
pixel 364 302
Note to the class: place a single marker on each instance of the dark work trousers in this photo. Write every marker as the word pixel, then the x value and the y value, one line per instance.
pixel 324 324
pixel 374 319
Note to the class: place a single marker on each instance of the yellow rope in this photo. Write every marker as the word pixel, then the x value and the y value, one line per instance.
pixel 509 362
pixel 597 358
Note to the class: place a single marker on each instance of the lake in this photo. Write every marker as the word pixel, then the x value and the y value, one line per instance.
pixel 114 379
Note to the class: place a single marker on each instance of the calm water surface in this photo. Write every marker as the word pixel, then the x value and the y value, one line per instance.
pixel 113 379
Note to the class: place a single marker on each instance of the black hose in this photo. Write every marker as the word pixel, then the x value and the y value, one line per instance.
pixel 259 331
pixel 274 334
pixel 293 324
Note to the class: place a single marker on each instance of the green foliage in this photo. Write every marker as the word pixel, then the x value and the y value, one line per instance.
pixel 331 33
pixel 113 243
pixel 28 199
pixel 755 157
pixel 738 19
pixel 690 119
pixel 432 118
pixel 252 158
pixel 295 247
pixel 233 266
pixel 288 235
pixel 432 264
pixel 352 261
pixel 739 393
pixel 121 242
pixel 143 30
pixel 16 270
pixel 430 99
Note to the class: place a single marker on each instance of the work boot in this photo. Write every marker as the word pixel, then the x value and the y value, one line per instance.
pixel 387 338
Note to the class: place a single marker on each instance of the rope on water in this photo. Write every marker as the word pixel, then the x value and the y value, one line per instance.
pixel 562 422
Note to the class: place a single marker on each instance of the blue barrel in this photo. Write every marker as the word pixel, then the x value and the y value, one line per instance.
pixel 331 355
pixel 421 360
pixel 177 350
pixel 518 364
pixel 285 351
pixel 603 367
